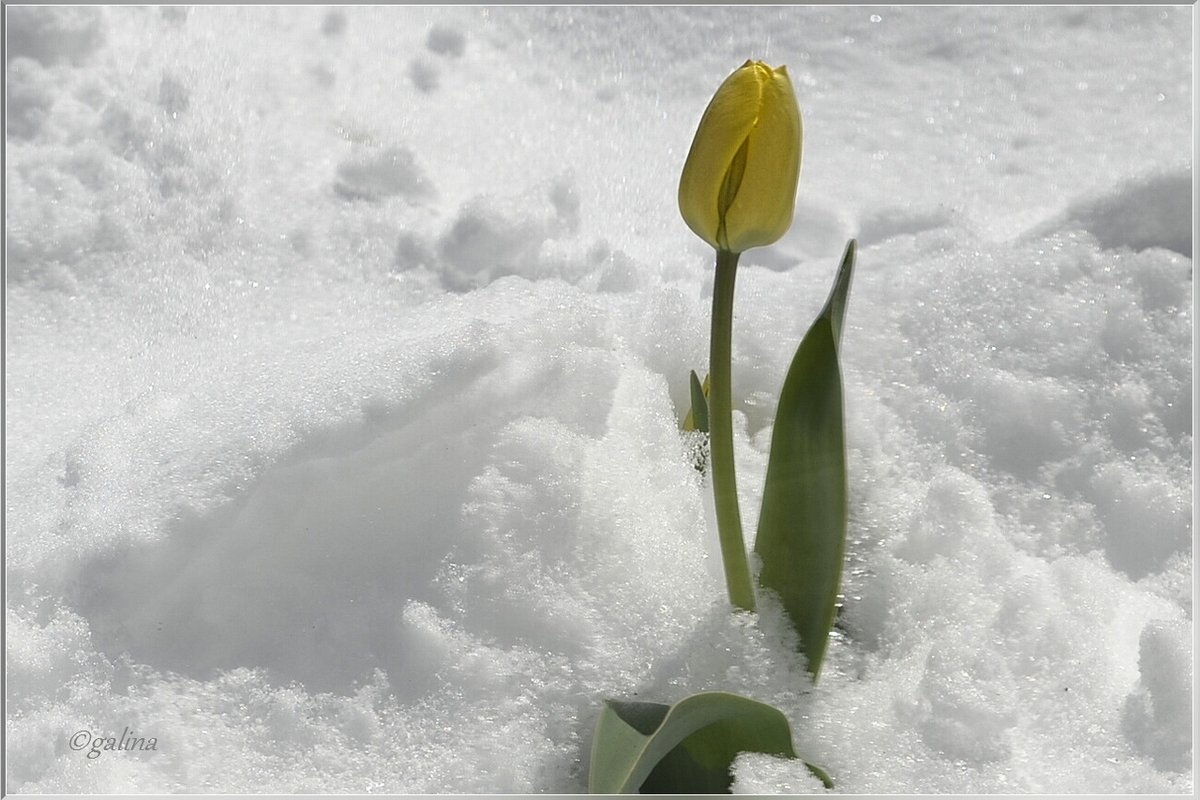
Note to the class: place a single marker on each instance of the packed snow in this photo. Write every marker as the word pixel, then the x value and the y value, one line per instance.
pixel 347 349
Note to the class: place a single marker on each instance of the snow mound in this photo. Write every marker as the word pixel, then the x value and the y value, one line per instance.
pixel 56 35
pixel 1155 211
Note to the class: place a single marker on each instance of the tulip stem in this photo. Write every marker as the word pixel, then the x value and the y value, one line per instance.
pixel 720 420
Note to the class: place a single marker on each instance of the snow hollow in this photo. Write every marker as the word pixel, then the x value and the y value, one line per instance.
pixel 346 353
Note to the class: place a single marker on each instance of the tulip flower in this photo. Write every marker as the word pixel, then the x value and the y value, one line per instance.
pixel 738 188
pixel 737 191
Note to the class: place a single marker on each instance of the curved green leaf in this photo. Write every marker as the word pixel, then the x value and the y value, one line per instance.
pixel 687 748
pixel 835 305
pixel 801 537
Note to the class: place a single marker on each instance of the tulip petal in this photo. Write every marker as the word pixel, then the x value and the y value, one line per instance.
pixel 763 213
pixel 729 188
pixel 724 128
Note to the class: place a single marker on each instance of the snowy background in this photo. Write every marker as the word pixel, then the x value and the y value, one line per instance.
pixel 347 349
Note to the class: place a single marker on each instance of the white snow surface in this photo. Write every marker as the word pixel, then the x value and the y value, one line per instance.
pixel 346 353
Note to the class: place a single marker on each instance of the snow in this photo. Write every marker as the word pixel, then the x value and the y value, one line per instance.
pixel 347 348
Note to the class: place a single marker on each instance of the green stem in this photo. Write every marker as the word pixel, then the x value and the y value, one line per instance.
pixel 720 421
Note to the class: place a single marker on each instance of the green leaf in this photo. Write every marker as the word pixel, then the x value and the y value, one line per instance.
pixel 687 748
pixel 802 525
pixel 835 306
pixel 699 404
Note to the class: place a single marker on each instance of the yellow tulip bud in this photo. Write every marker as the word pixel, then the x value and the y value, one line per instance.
pixel 738 188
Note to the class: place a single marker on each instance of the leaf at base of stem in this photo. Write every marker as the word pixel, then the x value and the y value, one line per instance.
pixel 685 748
